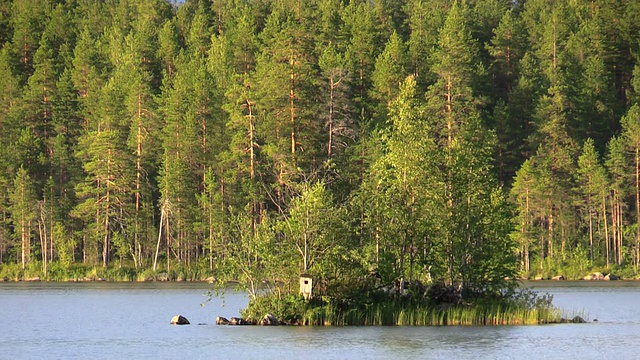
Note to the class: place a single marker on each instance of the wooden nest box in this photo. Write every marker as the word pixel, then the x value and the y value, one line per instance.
pixel 306 286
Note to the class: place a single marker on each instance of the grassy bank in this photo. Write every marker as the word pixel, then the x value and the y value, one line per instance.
pixel 81 272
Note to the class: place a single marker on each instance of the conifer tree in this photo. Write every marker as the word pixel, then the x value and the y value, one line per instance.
pixel 506 49
pixel 631 135
pixel 521 193
pixel 27 19
pixel 591 182
pixel 425 20
pixel 337 112
pixel 389 72
pixel 616 165
pixel 23 212
pixel 359 29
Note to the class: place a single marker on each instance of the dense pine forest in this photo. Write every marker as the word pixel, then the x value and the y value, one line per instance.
pixel 257 140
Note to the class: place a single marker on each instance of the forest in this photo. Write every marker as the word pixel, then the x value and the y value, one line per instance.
pixel 257 140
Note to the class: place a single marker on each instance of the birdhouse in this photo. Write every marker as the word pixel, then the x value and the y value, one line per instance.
pixel 306 286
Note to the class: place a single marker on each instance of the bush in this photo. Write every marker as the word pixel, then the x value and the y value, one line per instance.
pixel 11 272
pixel 288 308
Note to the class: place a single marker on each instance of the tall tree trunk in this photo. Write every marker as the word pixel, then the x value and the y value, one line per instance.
pixel 42 230
pixel 606 227
pixel 162 216
pixel 292 110
pixel 620 233
pixel 24 241
pixel 637 175
pixel 614 226
pixel 550 230
pixel 331 102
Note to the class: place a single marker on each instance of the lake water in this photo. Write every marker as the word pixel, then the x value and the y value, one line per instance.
pixel 131 321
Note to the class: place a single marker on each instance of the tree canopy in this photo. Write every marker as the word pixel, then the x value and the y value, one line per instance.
pixel 454 140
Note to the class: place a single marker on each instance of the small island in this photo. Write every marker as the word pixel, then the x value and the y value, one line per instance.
pixel 401 304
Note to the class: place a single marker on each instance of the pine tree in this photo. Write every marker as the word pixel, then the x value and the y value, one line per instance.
pixel 178 180
pixel 28 19
pixel 521 194
pixel 615 163
pixel 38 107
pixel 359 29
pixel 285 91
pixel 10 104
pixel 507 48
pixel 389 72
pixel 6 239
pixel 23 212
pixel 241 41
pixel 168 46
pixel 631 135
pixel 105 193
pixel 339 124
pixel 142 132
pixel 591 181
pixel 425 20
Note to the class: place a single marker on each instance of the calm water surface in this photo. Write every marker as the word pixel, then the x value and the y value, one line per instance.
pixel 131 321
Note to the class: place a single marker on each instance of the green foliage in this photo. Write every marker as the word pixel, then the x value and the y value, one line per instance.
pixel 287 308
pixel 257 140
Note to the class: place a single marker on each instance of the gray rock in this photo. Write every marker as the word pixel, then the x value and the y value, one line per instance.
pixel 558 277
pixel 222 321
pixel 237 321
pixel 578 320
pixel 269 320
pixel 179 320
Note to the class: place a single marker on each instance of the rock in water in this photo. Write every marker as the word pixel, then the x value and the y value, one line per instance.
pixel 222 321
pixel 237 321
pixel 179 320
pixel 269 320
pixel 578 320
pixel 241 321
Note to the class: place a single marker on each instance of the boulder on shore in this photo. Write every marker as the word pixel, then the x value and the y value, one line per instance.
pixel 269 320
pixel 222 321
pixel 179 320
pixel 558 277
pixel 578 320
pixel 594 276
pixel 611 277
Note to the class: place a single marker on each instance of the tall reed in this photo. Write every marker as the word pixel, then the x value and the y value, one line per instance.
pixel 398 313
